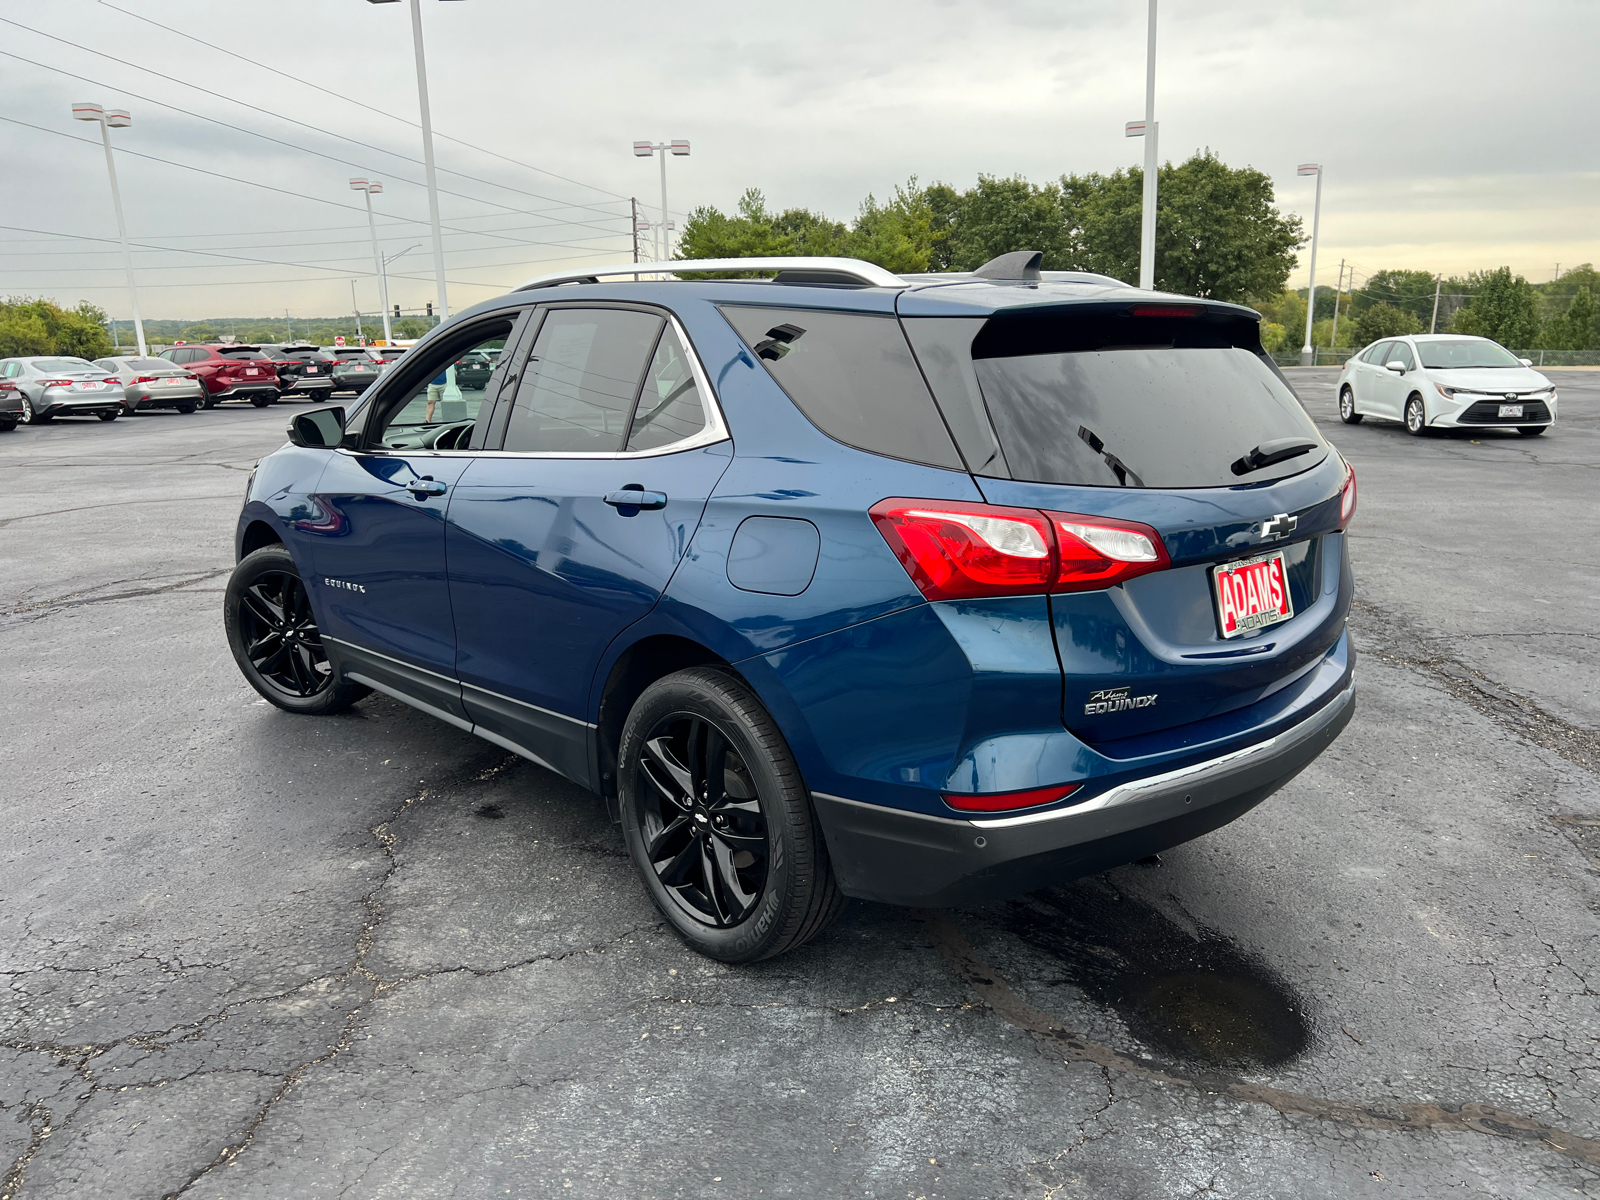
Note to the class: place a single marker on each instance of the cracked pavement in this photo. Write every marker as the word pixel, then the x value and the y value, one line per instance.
pixel 252 955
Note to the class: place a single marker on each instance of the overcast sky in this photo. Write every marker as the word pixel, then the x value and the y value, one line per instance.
pixel 1455 136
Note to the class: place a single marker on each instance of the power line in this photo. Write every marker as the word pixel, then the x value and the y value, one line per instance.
pixel 250 182
pixel 267 112
pixel 351 100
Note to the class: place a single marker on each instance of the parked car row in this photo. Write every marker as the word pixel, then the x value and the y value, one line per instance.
pixel 35 391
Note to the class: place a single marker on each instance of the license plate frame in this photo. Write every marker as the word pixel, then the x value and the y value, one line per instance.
pixel 1510 410
pixel 1235 584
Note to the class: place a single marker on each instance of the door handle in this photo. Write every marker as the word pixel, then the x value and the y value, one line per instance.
pixel 425 487
pixel 634 497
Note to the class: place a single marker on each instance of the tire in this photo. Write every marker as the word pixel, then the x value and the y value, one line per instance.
pixel 1416 417
pixel 7 425
pixel 31 416
pixel 260 401
pixel 110 416
pixel 1347 406
pixel 209 402
pixel 688 851
pixel 274 397
pixel 1531 430
pixel 186 406
pixel 273 635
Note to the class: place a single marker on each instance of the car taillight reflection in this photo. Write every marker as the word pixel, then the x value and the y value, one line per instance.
pixel 1347 497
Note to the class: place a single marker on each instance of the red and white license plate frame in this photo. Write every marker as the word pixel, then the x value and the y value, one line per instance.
pixel 1251 594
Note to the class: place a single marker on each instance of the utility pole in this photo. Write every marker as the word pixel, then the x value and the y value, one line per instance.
pixel 288 323
pixel 360 337
pixel 116 118
pixel 635 202
pixel 1307 355
pixel 1147 230
pixel 1337 292
pixel 1433 325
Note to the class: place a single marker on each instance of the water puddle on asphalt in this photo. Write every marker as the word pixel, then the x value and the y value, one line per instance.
pixel 1194 998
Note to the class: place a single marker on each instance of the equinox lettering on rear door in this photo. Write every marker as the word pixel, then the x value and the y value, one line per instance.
pixel 1109 700
pixel 339 583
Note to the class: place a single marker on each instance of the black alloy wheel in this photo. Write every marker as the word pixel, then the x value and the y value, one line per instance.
pixel 1416 417
pixel 1531 430
pixel 1347 406
pixel 719 822
pixel 274 637
pixel 704 834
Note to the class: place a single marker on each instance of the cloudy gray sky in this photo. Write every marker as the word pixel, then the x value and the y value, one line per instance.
pixel 1455 135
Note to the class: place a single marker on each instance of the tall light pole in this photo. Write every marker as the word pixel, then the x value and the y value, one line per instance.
pixel 1306 354
pixel 116 118
pixel 680 148
pixel 427 154
pixel 369 188
pixel 1150 131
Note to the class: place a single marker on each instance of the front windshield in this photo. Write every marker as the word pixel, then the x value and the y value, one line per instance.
pixel 1468 352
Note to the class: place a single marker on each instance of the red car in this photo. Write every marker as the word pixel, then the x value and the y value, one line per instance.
pixel 229 373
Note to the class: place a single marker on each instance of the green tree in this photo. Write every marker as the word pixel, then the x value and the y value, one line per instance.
pixel 410 327
pixel 1574 329
pixel 998 216
pixel 753 232
pixel 1381 321
pixel 1409 291
pixel 1273 336
pixel 898 235
pixel 44 327
pixel 1503 307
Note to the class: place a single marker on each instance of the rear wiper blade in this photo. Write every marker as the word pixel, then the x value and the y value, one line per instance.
pixel 1269 453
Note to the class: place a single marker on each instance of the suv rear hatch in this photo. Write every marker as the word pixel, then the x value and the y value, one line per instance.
pixel 247 367
pixel 1169 416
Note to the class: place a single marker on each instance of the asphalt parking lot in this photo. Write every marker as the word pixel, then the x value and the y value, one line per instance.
pixel 254 955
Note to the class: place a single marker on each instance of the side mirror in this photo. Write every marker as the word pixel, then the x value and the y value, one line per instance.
pixel 1395 365
pixel 318 428
pixel 1527 362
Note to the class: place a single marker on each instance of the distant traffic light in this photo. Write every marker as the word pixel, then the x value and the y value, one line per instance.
pixel 396 312
pixel 430 308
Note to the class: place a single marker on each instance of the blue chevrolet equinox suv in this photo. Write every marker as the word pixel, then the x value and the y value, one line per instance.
pixel 928 590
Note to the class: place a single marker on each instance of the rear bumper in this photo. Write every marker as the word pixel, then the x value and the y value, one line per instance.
pixel 901 857
pixel 142 397
pixel 246 389
pixel 110 402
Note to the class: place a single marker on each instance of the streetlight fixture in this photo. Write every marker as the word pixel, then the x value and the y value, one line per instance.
pixel 680 148
pixel 1149 130
pixel 369 188
pixel 1306 353
pixel 427 154
pixel 110 119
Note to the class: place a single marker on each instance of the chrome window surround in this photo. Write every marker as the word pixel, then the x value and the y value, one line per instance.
pixel 716 427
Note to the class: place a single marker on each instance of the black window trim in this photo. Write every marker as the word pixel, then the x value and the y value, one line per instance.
pixel 714 431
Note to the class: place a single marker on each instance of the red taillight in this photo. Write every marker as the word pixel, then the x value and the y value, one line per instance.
pixel 955 551
pixel 50 383
pixel 991 802
pixel 1098 552
pixel 1168 310
pixel 144 379
pixel 1347 497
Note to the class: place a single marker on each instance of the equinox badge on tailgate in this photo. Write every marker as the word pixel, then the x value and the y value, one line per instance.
pixel 1109 700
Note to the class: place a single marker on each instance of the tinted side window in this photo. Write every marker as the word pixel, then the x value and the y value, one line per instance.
pixel 577 391
pixel 1379 354
pixel 670 408
pixel 1403 353
pixel 853 376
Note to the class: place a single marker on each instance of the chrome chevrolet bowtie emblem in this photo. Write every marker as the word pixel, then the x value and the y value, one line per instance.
pixel 1281 525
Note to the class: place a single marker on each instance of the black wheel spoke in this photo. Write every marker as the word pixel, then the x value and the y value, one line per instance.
pixel 280 635
pixel 263 609
pixel 699 814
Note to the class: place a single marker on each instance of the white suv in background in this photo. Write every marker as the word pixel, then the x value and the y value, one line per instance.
pixel 1445 381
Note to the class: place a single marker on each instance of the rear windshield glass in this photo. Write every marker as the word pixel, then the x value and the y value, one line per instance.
pixel 148 364
pixel 853 375
pixel 62 364
pixel 1441 356
pixel 245 355
pixel 1145 413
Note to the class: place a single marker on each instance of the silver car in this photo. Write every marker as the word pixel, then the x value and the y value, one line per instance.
pixel 153 383
pixel 63 387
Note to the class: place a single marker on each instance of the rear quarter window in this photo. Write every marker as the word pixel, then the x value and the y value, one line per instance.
pixel 853 377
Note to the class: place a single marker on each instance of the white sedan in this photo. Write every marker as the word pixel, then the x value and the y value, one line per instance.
pixel 1445 381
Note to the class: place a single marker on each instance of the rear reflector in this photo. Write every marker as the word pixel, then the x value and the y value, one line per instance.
pixel 990 802
pixel 955 551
